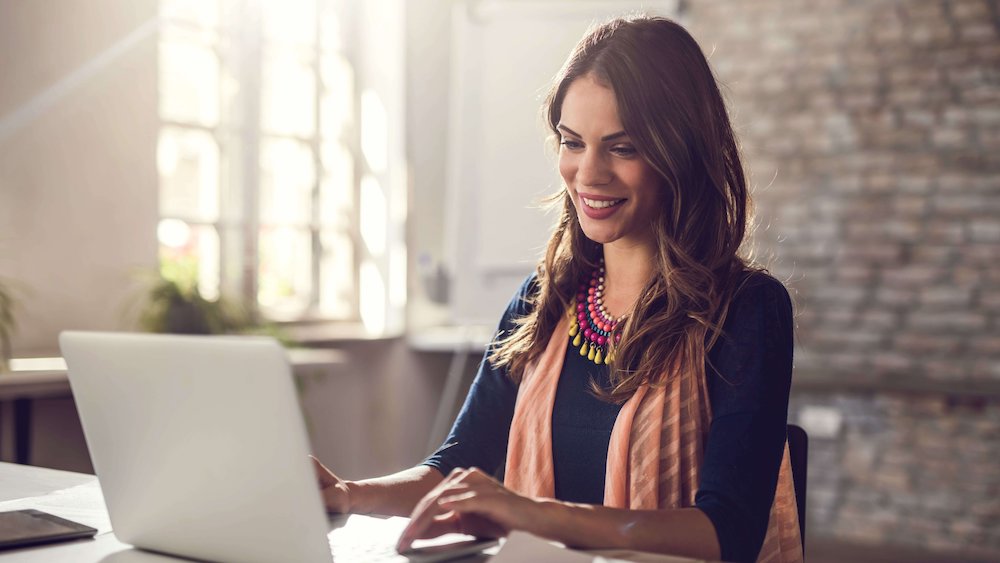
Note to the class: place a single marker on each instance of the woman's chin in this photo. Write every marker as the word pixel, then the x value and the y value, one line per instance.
pixel 600 236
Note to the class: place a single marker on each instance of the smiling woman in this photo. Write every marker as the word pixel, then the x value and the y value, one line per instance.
pixel 614 190
pixel 636 394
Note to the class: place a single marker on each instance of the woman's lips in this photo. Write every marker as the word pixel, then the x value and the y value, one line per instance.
pixel 600 207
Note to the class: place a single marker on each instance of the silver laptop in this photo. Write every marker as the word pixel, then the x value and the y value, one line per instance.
pixel 201 450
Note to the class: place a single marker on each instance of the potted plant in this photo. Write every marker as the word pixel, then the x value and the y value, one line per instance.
pixel 173 304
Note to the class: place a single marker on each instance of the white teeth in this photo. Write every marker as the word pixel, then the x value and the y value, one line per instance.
pixel 601 204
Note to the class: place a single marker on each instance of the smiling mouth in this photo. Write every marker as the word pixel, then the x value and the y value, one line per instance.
pixel 601 204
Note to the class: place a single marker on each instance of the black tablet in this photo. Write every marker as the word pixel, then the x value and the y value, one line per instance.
pixel 29 527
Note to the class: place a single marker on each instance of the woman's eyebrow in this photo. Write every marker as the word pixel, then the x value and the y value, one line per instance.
pixel 610 137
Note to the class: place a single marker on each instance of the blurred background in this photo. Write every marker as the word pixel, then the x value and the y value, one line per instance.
pixel 330 168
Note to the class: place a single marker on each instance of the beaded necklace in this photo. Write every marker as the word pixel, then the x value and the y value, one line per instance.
pixel 594 327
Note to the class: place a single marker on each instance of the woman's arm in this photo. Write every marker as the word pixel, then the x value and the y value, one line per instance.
pixel 749 380
pixel 683 531
pixel 469 498
pixel 392 495
pixel 478 438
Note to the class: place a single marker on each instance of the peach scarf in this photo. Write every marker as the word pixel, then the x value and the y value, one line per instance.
pixel 655 454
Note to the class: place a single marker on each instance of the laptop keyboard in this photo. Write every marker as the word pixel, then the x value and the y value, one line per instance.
pixel 373 539
pixel 349 551
pixel 370 538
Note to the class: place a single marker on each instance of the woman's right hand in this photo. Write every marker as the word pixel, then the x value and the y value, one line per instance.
pixel 336 495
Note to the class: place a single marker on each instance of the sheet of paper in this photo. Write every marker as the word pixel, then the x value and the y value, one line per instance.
pixel 83 504
pixel 521 546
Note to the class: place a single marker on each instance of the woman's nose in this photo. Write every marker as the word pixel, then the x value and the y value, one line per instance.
pixel 594 170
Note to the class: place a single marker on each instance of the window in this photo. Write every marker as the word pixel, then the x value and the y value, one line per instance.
pixel 270 190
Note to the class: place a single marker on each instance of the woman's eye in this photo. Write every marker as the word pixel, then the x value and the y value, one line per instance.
pixel 571 143
pixel 623 150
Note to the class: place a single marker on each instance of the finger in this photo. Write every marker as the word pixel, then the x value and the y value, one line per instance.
pixel 428 508
pixel 469 503
pixel 463 523
pixel 479 526
pixel 490 513
pixel 423 518
pixel 455 501
pixel 432 528
pixel 323 474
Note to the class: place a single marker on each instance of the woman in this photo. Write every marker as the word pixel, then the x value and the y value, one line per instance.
pixel 637 392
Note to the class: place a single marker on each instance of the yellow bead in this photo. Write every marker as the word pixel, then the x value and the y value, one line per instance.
pixel 576 341
pixel 608 359
pixel 591 355
pixel 583 349
pixel 598 359
pixel 573 330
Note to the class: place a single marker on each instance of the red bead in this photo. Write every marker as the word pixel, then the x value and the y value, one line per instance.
pixel 590 299
pixel 580 307
pixel 591 307
pixel 583 324
pixel 581 316
pixel 602 326
pixel 601 340
pixel 587 332
pixel 593 337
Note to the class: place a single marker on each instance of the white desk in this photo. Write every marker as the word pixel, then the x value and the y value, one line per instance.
pixel 19 482
pixel 23 481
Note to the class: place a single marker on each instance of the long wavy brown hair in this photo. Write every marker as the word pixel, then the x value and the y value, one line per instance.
pixel 670 106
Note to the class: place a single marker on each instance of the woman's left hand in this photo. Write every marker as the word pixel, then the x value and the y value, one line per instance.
pixel 471 502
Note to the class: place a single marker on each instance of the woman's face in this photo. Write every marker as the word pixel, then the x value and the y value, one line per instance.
pixel 615 191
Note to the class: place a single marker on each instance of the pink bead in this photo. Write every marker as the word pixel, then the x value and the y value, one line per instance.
pixel 594 337
pixel 581 316
pixel 618 338
pixel 583 324
pixel 580 307
pixel 601 341
pixel 587 332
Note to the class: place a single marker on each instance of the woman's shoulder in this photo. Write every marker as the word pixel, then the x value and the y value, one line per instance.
pixel 759 302
pixel 523 300
pixel 760 288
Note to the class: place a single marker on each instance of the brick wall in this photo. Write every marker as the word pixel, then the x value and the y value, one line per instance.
pixel 872 133
pixel 916 470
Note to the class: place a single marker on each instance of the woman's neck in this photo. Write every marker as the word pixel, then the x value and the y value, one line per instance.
pixel 627 270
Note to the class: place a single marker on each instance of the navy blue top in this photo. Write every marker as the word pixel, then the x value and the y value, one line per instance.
pixel 748 390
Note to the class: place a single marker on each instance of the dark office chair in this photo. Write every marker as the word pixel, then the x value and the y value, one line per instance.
pixel 798 454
